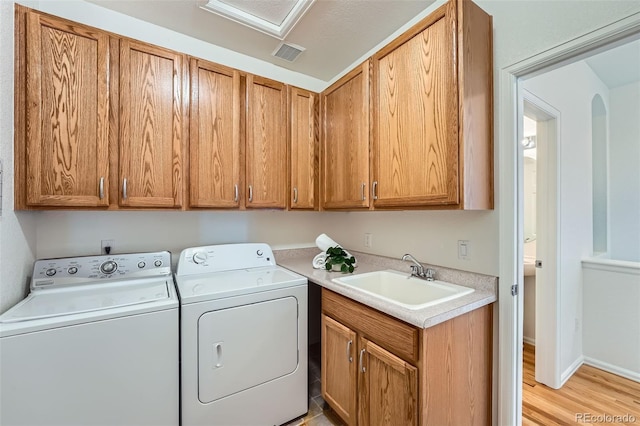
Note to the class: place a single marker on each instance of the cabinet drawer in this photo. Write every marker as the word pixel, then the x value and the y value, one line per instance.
pixel 392 334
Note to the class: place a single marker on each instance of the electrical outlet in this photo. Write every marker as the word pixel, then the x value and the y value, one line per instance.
pixel 464 249
pixel 107 243
pixel 368 240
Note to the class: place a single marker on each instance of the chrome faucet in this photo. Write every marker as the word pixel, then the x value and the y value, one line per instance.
pixel 417 270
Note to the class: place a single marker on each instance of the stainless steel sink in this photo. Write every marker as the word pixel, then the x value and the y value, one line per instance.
pixel 403 289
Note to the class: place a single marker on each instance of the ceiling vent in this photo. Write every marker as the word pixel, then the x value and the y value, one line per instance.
pixel 288 52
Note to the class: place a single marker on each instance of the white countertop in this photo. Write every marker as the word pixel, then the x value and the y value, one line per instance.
pixel 299 261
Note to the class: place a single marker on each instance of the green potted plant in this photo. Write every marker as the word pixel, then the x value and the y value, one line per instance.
pixel 338 258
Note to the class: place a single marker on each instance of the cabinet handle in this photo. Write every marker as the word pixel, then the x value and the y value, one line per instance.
pixel 124 188
pixel 362 368
pixel 295 195
pixel 250 193
pixel 101 187
pixel 364 194
pixel 349 357
pixel 235 192
pixel 374 190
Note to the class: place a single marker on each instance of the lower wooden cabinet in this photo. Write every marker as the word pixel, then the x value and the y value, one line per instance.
pixel 435 376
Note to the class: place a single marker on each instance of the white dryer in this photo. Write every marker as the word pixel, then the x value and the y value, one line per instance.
pixel 94 343
pixel 243 337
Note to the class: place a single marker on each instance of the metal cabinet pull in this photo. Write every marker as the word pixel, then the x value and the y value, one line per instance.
pixel 364 194
pixel 235 192
pixel 250 193
pixel 349 357
pixel 374 190
pixel 124 188
pixel 295 195
pixel 101 187
pixel 362 368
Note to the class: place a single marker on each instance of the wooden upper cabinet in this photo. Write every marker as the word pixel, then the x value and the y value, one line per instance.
pixel 432 113
pixel 151 125
pixel 303 107
pixel 345 141
pixel 266 151
pixel 62 118
pixel 214 137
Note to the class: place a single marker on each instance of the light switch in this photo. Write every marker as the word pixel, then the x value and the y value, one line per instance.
pixel 464 252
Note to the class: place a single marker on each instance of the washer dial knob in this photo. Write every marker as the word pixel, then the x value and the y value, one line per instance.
pixel 72 270
pixel 199 257
pixel 108 267
pixel 141 264
pixel 158 263
pixel 50 272
pixel 259 252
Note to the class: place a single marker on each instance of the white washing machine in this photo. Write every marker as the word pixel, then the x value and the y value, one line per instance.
pixel 94 343
pixel 243 337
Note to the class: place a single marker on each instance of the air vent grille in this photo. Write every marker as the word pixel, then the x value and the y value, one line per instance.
pixel 288 52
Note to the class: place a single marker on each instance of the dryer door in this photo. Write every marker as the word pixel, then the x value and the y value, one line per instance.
pixel 246 346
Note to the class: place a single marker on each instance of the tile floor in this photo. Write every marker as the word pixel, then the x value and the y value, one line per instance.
pixel 320 414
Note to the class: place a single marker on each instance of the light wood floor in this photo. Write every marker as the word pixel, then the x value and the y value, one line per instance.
pixel 589 392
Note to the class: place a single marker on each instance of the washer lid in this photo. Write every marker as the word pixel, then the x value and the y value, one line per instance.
pixel 88 298
pixel 196 288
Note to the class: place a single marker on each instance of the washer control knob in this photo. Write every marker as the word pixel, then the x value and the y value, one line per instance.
pixel 50 272
pixel 72 270
pixel 199 257
pixel 141 264
pixel 108 267
pixel 158 263
pixel 259 253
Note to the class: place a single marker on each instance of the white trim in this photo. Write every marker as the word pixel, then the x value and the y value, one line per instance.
pixel 611 265
pixel 566 375
pixel 614 369
pixel 279 31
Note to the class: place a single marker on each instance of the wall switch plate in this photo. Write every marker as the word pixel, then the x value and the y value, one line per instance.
pixel 464 249
pixel 368 240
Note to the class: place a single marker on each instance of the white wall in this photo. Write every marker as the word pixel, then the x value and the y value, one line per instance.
pixel 17 229
pixel 569 90
pixel 624 172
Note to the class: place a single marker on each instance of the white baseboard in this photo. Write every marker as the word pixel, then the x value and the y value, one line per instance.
pixel 631 375
pixel 529 340
pixel 571 370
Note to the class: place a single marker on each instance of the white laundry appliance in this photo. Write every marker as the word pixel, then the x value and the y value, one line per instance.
pixel 94 343
pixel 243 337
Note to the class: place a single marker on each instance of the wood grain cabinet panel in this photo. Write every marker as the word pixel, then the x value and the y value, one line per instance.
pixel 339 362
pixel 303 108
pixel 66 115
pixel 151 125
pixel 388 388
pixel 345 141
pixel 266 152
pixel 432 110
pixel 214 137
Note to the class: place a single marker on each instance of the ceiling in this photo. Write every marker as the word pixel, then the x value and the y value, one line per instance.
pixel 618 66
pixel 335 33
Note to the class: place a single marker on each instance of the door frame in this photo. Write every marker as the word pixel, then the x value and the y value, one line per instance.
pixel 509 392
pixel 548 296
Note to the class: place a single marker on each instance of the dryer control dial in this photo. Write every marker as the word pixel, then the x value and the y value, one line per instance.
pixel 200 257
pixel 108 267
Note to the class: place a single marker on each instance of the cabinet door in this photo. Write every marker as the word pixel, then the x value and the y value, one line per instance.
pixel 151 121
pixel 304 148
pixel 266 154
pixel 338 368
pixel 67 114
pixel 345 141
pixel 214 137
pixel 415 121
pixel 388 388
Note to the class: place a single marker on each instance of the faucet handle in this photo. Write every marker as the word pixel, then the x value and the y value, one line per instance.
pixel 429 274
